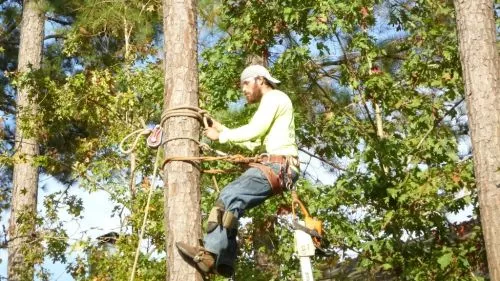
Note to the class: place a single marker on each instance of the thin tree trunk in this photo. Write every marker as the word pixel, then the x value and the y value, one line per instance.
pixel 182 179
pixel 480 65
pixel 378 120
pixel 25 177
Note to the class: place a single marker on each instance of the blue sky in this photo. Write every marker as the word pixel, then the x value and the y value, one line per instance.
pixel 96 221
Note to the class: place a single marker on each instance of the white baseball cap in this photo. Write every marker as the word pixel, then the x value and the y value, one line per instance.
pixel 256 71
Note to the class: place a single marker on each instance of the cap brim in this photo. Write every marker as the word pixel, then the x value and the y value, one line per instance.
pixel 273 80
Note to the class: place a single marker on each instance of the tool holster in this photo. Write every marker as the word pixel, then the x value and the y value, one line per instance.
pixel 281 180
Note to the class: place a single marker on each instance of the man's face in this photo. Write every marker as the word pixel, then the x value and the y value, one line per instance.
pixel 252 89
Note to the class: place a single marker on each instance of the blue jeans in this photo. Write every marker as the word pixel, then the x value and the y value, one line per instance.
pixel 249 190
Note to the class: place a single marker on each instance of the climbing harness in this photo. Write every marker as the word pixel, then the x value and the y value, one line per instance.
pixel 283 179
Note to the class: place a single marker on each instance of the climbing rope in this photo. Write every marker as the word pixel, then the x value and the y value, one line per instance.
pixel 145 218
pixel 238 159
pixel 155 135
pixel 138 134
pixel 154 140
pixel 187 111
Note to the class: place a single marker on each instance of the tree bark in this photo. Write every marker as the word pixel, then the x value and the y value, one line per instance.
pixel 25 175
pixel 481 73
pixel 182 179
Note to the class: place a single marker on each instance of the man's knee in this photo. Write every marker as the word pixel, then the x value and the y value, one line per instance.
pixel 228 194
pixel 219 216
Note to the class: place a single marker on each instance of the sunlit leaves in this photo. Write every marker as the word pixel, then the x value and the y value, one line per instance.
pixel 388 205
pixel 398 187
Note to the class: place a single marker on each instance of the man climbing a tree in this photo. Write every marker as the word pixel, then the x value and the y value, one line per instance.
pixel 278 170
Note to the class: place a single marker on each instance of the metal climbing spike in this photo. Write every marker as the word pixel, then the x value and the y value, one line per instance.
pixel 155 138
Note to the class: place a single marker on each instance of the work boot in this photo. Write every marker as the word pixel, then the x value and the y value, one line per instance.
pixel 204 260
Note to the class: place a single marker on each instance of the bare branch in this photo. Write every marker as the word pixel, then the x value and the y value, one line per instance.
pixel 322 159
pixel 60 21
pixel 54 36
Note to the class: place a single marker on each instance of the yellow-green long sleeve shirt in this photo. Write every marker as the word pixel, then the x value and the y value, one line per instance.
pixel 272 121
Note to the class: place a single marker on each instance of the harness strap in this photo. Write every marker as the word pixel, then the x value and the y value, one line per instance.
pixel 273 179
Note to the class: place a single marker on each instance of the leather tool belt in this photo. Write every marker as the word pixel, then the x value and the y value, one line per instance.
pixel 283 179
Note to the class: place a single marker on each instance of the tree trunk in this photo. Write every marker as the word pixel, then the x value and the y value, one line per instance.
pixel 25 177
pixel 182 179
pixel 480 65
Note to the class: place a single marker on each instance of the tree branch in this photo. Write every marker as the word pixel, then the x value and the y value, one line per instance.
pixel 54 36
pixel 322 159
pixel 60 21
pixel 352 56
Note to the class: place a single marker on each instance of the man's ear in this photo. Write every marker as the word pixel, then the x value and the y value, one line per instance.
pixel 261 80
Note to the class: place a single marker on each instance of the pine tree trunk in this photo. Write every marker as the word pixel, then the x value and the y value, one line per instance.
pixel 182 179
pixel 480 65
pixel 25 177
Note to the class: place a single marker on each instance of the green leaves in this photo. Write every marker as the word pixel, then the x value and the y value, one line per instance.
pixel 445 260
pixel 399 186
pixel 373 83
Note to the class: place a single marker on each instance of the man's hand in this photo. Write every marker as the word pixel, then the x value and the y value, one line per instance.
pixel 216 125
pixel 212 133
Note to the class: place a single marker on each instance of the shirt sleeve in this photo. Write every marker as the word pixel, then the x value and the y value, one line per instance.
pixel 250 145
pixel 258 125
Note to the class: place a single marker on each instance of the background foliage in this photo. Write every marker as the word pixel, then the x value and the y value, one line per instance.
pixel 379 102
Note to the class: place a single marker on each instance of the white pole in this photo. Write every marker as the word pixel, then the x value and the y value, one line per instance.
pixel 306 269
pixel 305 250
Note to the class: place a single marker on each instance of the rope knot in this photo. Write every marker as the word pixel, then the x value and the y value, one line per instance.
pixel 187 111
